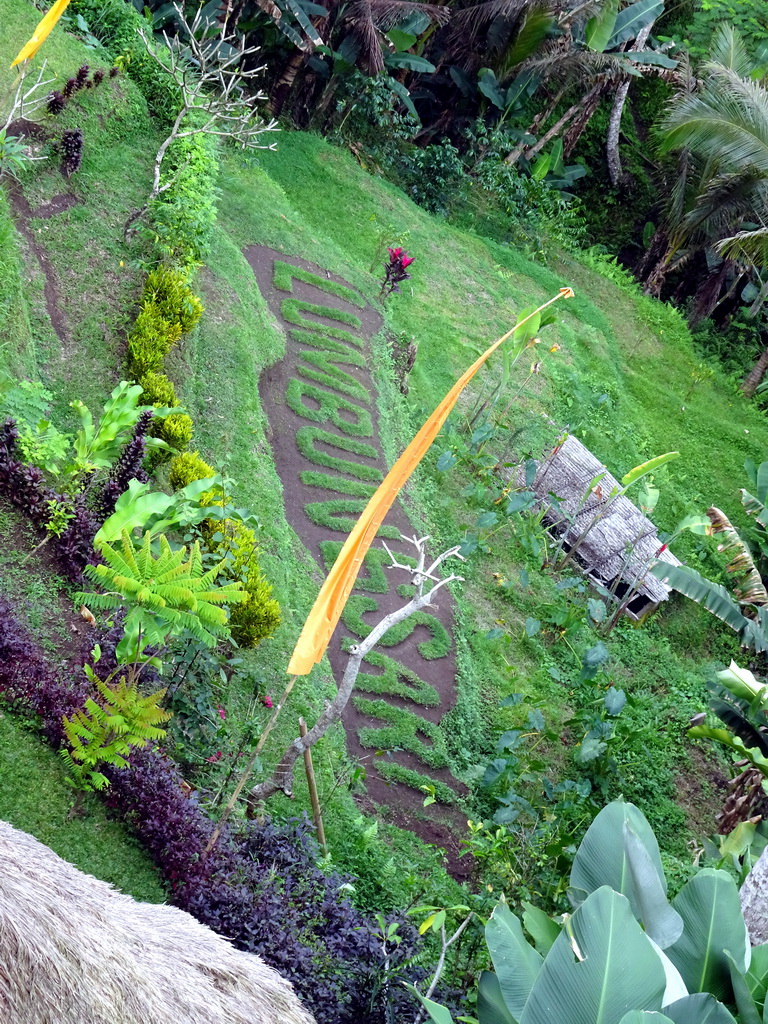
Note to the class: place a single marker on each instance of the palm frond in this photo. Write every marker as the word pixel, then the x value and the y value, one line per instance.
pixel 367 19
pixel 748 586
pixel 747 246
pixel 728 49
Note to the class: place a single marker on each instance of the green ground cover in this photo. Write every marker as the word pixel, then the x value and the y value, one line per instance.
pixel 311 200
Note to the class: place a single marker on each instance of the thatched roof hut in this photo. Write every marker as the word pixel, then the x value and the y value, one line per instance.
pixel 621 543
pixel 73 950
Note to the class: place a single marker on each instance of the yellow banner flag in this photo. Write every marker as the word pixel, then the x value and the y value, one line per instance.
pixel 42 32
pixel 327 609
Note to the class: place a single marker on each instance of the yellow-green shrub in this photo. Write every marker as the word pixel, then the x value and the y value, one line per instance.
pixel 158 390
pixel 175 430
pixel 151 339
pixel 256 618
pixel 168 290
pixel 187 467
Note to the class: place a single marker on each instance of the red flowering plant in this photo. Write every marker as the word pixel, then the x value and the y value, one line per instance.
pixel 395 270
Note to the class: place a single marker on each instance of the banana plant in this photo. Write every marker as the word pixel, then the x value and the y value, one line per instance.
pixel 626 955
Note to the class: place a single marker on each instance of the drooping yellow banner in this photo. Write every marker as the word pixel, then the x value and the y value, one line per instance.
pixel 42 32
pixel 327 609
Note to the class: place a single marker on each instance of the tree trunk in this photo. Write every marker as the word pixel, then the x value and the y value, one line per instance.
pixel 754 892
pixel 612 155
pixel 554 131
pixel 576 130
pixel 750 384
pixel 285 82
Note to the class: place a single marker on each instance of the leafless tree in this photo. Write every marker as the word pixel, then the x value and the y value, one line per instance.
pixel 211 68
pixel 27 99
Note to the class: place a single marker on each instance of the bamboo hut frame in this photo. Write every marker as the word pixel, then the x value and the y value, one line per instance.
pixel 73 950
pixel 621 544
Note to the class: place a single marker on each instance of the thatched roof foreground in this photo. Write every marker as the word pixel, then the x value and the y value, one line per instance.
pixel 73 950
pixel 570 474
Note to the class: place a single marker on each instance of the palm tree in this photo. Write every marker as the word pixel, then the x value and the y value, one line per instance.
pixel 723 125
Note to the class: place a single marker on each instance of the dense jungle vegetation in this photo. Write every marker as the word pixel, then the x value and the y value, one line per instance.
pixel 246 249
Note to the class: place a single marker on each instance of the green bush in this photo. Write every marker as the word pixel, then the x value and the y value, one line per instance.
pixel 183 217
pixel 186 468
pixel 158 390
pixel 168 289
pixel 256 618
pixel 176 430
pixel 151 339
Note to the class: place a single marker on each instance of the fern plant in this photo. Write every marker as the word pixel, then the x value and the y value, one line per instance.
pixel 162 596
pixel 104 733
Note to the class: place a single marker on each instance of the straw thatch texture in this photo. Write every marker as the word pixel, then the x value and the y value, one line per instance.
pixel 73 950
pixel 570 474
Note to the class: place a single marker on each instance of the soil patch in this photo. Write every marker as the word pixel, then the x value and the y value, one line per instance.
pixel 324 431
pixel 22 213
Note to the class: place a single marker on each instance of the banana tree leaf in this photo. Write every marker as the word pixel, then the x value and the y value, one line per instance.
pixel 401 40
pixel 620 850
pixel 632 19
pixel 491 1008
pixel 600 964
pixel 745 1003
pixel 647 467
pixel 542 929
pixel 757 975
pixel 517 963
pixel 711 596
pixel 489 87
pixel 133 509
pixel 752 754
pixel 644 1017
pixel 600 28
pixel 762 482
pixel 411 61
pixel 754 507
pixel 405 96
pixel 660 60
pixel 699 1008
pixel 675 986
pixel 437 1012
pixel 711 912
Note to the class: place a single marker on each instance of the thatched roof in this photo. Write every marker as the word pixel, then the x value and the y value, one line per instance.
pixel 570 475
pixel 73 950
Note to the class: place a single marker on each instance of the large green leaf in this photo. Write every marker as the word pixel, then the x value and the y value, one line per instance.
pixel 644 1017
pixel 711 596
pixel 516 962
pixel 745 1003
pixel 620 850
pixel 437 1012
pixel 752 754
pixel 647 467
pixel 599 28
pixel 632 19
pixel 600 964
pixel 699 1008
pixel 133 509
pixel 757 975
pixel 711 912
pixel 491 1008
pixel 542 929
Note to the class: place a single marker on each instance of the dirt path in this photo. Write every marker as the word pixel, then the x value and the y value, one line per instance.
pixel 320 402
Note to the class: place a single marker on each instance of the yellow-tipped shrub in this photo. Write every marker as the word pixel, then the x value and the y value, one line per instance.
pixel 187 467
pixel 151 339
pixel 168 290
pixel 176 430
pixel 158 390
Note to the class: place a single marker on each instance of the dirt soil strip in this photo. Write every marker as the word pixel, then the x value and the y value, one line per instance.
pixel 438 824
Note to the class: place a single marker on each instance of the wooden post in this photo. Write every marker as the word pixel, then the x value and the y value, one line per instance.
pixel 316 813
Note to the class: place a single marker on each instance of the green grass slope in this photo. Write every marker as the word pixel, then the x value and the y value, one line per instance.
pixel 621 380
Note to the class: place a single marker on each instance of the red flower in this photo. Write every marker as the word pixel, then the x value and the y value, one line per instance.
pixel 267 701
pixel 222 712
pixel 662 548
pixel 407 261
pixel 394 254
pixel 215 757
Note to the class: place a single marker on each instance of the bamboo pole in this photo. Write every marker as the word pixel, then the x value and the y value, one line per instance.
pixel 310 770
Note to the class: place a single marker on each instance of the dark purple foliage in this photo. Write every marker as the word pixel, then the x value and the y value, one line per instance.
pixel 128 467
pixel 72 151
pixel 98 76
pixel 56 102
pixel 259 886
pixel 70 88
pixel 26 488
pixel 82 75
pixel 114 72
pixel 30 683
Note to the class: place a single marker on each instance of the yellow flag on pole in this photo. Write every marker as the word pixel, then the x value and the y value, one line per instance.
pixel 42 32
pixel 327 609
